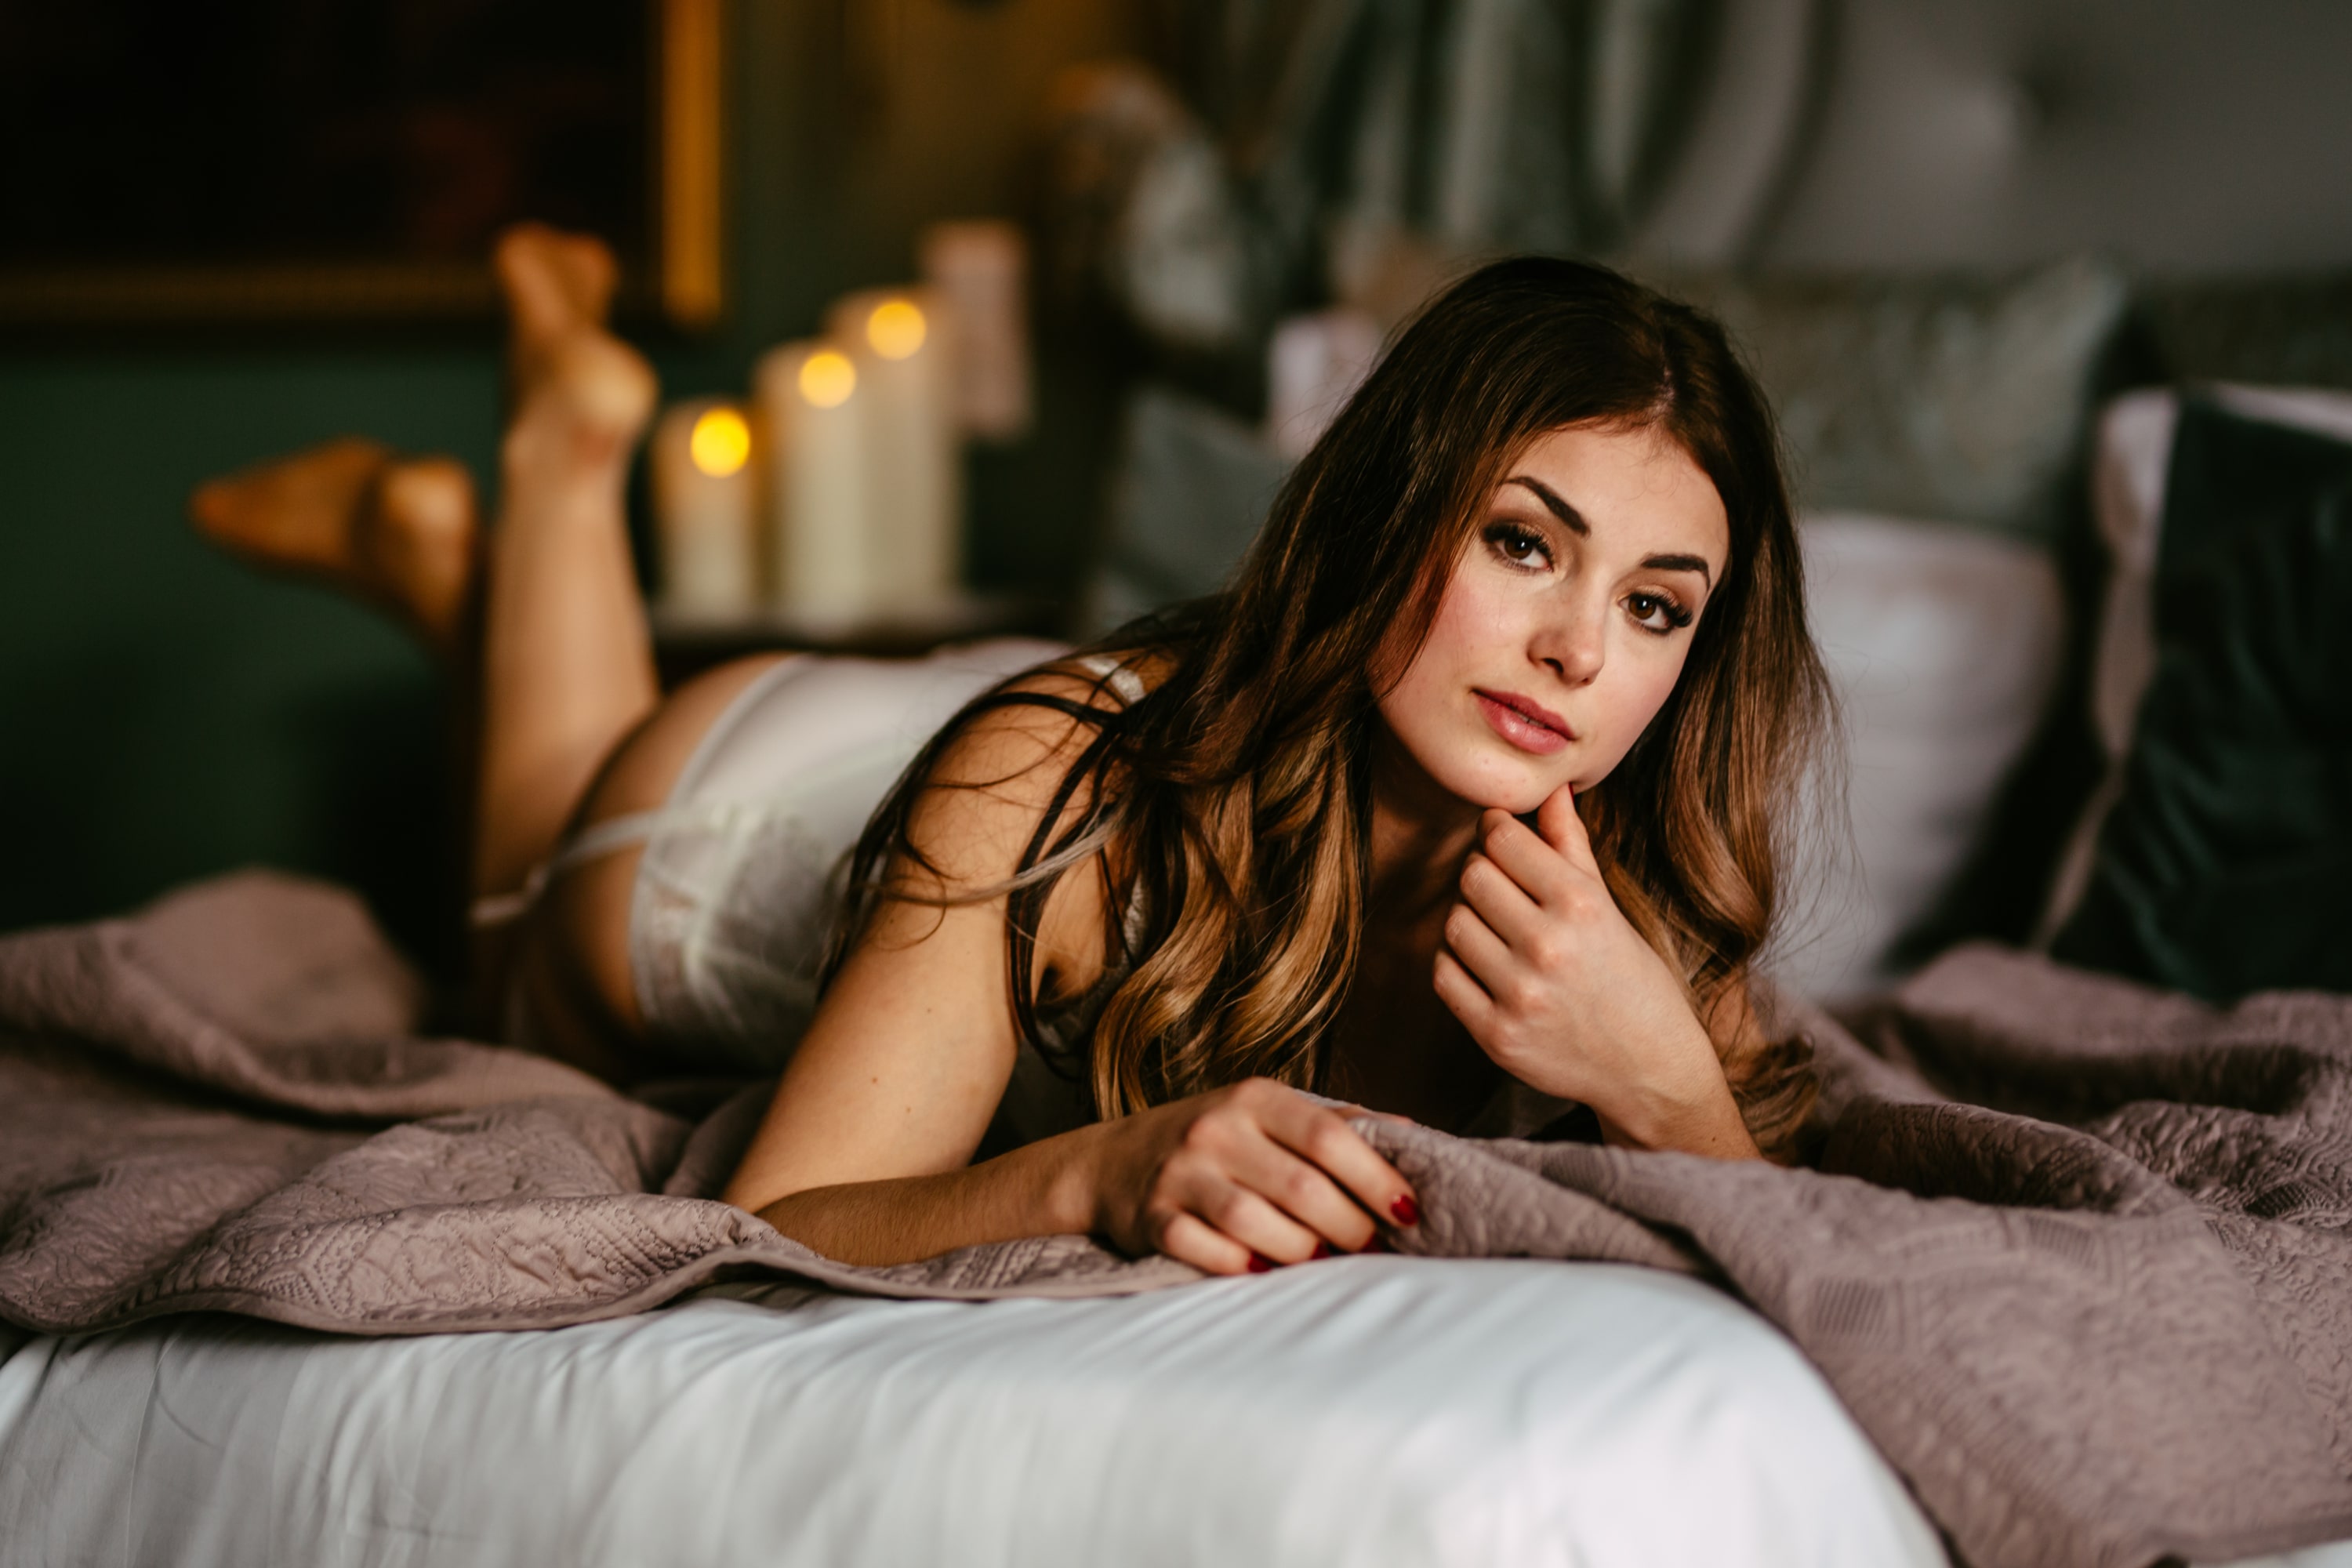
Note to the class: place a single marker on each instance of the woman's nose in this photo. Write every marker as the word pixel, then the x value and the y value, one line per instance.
pixel 1572 645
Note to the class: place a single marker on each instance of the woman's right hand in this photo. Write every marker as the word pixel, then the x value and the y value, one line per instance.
pixel 1240 1179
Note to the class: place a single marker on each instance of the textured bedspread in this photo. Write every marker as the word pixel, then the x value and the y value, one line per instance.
pixel 2091 1295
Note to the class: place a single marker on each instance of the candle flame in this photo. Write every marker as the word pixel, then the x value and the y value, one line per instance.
pixel 721 442
pixel 896 329
pixel 827 378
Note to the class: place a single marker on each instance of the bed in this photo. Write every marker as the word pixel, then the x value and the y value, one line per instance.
pixel 1370 1411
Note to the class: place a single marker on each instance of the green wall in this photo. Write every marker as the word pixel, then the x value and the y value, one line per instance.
pixel 165 713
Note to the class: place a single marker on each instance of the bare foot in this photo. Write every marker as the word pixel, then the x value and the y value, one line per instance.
pixel 399 532
pixel 581 395
pixel 554 284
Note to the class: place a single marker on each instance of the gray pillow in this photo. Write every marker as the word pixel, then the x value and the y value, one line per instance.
pixel 1190 489
pixel 1956 397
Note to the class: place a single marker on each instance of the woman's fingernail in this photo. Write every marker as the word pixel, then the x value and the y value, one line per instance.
pixel 1404 1211
pixel 1323 1249
pixel 1260 1263
pixel 1379 1243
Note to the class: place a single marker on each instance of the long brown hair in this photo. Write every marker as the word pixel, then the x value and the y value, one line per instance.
pixel 1228 810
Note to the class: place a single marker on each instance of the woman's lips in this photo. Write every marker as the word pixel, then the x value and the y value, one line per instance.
pixel 1530 726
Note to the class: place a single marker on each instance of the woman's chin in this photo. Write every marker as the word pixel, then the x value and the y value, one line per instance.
pixel 1517 791
pixel 1517 788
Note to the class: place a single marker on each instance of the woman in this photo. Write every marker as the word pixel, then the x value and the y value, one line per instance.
pixel 1461 804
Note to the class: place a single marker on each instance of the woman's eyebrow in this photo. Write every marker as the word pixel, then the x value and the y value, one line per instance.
pixel 1569 518
pixel 1680 563
pixel 1573 521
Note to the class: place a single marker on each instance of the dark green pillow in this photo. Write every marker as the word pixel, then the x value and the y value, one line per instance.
pixel 2226 865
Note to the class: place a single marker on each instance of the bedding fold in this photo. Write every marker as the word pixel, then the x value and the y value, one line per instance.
pixel 2077 1255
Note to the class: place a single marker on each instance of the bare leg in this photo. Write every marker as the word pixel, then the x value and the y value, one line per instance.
pixel 567 659
pixel 543 630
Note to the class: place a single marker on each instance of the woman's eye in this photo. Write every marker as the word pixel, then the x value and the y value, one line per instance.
pixel 1520 546
pixel 1656 613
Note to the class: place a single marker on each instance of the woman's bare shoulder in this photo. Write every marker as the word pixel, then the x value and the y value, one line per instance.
pixel 1006 765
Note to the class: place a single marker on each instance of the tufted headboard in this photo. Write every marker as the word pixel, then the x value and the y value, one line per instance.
pixel 2183 137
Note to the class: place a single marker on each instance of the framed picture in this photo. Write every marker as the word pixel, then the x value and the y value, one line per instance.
pixel 170 162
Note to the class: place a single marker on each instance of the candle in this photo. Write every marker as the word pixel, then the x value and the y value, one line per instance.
pixel 811 406
pixel 914 479
pixel 1313 366
pixel 704 509
pixel 981 270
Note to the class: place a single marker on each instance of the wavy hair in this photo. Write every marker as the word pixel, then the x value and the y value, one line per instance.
pixel 1228 810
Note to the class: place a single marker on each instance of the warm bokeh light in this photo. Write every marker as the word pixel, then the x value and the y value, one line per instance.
pixel 896 329
pixel 721 443
pixel 827 378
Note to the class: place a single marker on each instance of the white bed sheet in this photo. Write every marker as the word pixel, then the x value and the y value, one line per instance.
pixel 1366 1411
pixel 1363 1411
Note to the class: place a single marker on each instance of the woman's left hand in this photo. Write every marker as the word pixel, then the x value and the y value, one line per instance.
pixel 1555 985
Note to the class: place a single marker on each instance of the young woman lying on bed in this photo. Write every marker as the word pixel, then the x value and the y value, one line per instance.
pixel 1461 804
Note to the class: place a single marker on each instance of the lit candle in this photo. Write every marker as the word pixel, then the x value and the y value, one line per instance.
pixel 704 509
pixel 981 270
pixel 914 490
pixel 811 405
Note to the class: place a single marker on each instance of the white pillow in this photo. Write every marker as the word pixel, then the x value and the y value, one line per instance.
pixel 2128 479
pixel 1943 644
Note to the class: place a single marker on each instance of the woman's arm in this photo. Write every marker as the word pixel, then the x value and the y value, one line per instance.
pixel 1558 988
pixel 1226 1181
pixel 864 1152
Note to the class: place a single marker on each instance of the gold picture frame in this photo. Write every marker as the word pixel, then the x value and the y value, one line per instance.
pixel 674 271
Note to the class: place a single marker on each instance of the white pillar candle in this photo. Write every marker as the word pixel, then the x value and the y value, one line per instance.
pixel 705 508
pixel 981 270
pixel 810 403
pixel 914 478
pixel 1313 366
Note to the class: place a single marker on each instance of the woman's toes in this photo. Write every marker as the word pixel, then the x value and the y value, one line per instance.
pixel 538 306
pixel 553 283
pixel 588 274
pixel 295 511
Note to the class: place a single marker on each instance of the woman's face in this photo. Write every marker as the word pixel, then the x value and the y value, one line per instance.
pixel 1567 620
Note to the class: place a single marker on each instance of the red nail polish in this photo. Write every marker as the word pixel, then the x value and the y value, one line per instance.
pixel 1323 1249
pixel 1379 1243
pixel 1404 1211
pixel 1259 1264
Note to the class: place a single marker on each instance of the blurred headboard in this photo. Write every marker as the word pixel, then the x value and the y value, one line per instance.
pixel 2183 137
